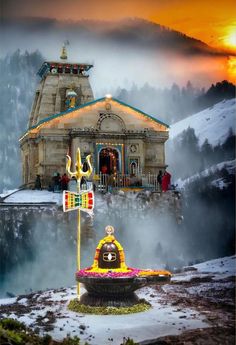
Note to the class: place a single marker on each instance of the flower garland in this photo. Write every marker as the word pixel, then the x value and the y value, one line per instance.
pixel 154 273
pixel 106 273
pixel 117 272
pixel 110 239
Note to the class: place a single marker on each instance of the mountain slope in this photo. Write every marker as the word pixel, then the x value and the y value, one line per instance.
pixel 212 173
pixel 212 123
pixel 131 31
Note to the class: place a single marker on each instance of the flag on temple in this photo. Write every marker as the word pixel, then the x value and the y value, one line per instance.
pixel 83 201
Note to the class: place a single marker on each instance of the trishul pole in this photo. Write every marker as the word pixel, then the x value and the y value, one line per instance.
pixel 78 174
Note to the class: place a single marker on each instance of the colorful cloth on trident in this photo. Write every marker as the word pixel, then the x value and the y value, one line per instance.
pixel 109 251
pixel 83 201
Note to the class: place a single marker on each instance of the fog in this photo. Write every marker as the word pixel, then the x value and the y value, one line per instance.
pixel 38 246
pixel 44 241
pixel 120 58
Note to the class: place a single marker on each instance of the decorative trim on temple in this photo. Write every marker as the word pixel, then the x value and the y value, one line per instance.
pixel 103 99
pixel 63 67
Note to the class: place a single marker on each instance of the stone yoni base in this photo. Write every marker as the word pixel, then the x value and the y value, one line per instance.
pixel 126 300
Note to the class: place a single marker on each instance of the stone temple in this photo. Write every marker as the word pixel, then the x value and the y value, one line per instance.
pixel 65 115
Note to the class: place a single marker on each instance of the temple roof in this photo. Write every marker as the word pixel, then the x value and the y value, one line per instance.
pixel 71 110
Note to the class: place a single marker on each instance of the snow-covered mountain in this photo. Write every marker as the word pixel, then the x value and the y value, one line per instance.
pixel 219 182
pixel 212 123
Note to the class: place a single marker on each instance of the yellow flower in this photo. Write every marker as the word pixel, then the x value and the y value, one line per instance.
pixel 154 272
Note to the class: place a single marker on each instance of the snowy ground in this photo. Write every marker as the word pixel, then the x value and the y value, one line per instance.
pixel 218 269
pixel 28 196
pixel 212 123
pixel 199 298
pixel 48 311
pixel 8 192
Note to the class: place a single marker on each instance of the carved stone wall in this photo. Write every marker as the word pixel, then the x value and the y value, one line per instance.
pixel 50 95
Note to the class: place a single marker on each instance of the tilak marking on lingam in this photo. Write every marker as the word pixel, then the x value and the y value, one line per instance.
pixel 82 200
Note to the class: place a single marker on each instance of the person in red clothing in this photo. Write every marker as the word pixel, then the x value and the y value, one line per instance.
pixel 64 182
pixel 165 184
pixel 104 169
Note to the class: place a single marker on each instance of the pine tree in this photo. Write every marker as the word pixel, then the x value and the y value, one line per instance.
pixel 207 154
pixel 16 93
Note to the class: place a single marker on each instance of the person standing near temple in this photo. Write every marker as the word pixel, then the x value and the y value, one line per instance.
pixel 56 182
pixel 38 184
pixel 159 180
pixel 165 184
pixel 64 182
pixel 104 169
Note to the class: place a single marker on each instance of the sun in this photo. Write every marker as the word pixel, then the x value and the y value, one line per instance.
pixel 230 40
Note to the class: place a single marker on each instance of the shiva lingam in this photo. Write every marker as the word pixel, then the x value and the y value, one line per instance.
pixel 109 281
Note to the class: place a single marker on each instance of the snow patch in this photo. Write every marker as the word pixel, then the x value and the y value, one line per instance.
pixel 7 192
pixel 220 183
pixel 228 165
pixel 5 301
pixel 212 123
pixel 217 269
pixel 34 196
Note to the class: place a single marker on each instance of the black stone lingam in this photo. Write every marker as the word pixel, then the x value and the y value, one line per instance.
pixel 109 282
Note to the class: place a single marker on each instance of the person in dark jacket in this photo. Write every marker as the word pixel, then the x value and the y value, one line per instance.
pixel 56 182
pixel 159 179
pixel 38 184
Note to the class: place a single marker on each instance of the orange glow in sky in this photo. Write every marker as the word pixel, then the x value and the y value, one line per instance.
pixel 232 69
pixel 212 21
pixel 230 39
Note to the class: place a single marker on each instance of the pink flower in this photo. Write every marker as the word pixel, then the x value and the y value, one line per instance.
pixel 87 272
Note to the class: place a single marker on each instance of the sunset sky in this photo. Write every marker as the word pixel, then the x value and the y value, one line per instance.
pixel 212 21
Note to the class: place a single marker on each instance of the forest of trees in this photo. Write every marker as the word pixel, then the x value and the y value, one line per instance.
pixel 209 216
pixel 187 157
pixel 174 104
pixel 17 87
pixel 208 200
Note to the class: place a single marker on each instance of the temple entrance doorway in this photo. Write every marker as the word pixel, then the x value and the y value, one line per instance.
pixel 109 161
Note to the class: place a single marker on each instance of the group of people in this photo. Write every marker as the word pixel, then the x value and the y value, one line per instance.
pixel 164 180
pixel 59 182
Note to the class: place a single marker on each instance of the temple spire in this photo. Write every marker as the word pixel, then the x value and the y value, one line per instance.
pixel 63 53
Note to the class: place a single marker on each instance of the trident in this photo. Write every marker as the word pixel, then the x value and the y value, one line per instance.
pixel 78 174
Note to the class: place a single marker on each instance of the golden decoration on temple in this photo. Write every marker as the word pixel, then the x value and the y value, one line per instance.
pixel 63 53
